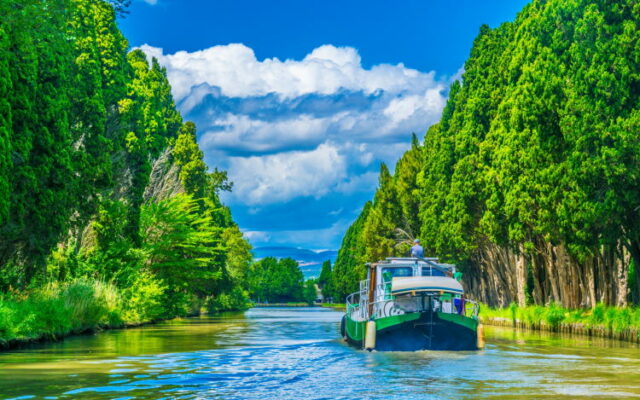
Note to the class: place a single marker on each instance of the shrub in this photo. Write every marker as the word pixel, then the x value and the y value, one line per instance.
pixel 554 315
pixel 235 300
pixel 143 300
pixel 58 309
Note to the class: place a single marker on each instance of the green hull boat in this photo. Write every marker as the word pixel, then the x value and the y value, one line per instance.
pixel 415 304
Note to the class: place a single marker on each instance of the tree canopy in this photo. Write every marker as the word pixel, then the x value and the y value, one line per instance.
pixel 83 123
pixel 535 159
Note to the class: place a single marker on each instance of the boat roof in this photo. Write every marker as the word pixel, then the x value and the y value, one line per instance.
pixel 411 261
pixel 403 285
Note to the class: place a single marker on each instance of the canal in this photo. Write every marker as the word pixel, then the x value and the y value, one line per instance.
pixel 295 353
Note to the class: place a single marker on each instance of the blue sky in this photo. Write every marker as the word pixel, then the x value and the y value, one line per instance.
pixel 301 100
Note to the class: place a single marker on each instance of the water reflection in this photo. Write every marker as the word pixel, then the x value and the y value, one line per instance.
pixel 295 353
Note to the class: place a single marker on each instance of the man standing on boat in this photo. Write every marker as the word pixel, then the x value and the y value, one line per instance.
pixel 417 250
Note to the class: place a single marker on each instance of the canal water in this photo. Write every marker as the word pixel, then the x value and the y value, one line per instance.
pixel 295 353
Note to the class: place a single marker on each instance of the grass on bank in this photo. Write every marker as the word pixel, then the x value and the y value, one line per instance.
pixel 57 310
pixel 301 304
pixel 615 319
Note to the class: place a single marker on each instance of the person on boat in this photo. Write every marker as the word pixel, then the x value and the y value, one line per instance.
pixel 417 250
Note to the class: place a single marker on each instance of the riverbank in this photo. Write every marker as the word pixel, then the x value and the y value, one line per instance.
pixel 59 310
pixel 622 323
pixel 335 306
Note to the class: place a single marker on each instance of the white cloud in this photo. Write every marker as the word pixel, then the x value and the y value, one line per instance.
pixel 235 69
pixel 321 238
pixel 240 131
pixel 280 177
pixel 311 127
pixel 358 183
pixel 257 236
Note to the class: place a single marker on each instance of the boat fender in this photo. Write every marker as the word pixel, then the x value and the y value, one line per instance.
pixel 343 327
pixel 480 332
pixel 370 336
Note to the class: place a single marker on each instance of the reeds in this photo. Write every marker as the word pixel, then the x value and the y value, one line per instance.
pixel 57 310
pixel 601 320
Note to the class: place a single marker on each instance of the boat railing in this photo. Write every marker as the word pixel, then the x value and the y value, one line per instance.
pixel 357 303
pixel 386 308
pixel 359 310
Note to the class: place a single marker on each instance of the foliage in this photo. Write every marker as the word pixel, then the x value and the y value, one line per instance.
pixel 181 245
pixel 56 310
pixel 82 122
pixel 309 293
pixel 235 300
pixel 537 147
pixel 239 255
pixel 325 281
pixel 615 319
pixel 349 268
pixel 144 300
pixel 276 281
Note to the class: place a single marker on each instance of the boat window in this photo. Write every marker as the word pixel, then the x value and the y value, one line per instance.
pixel 397 272
pixel 426 271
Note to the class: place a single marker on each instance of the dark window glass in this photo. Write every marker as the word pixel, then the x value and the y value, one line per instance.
pixel 398 271
pixel 426 271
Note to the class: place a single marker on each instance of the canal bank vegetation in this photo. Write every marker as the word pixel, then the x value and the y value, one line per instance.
pixel 601 320
pixel 273 281
pixel 108 214
pixel 530 182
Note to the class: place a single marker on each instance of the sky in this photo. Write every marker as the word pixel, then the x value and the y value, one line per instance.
pixel 301 100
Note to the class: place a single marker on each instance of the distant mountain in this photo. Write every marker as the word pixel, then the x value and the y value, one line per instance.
pixel 310 261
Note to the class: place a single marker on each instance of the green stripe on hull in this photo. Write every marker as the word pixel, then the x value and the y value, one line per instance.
pixel 386 322
pixel 356 329
pixel 460 320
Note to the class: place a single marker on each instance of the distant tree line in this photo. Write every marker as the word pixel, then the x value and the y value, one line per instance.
pixel 279 281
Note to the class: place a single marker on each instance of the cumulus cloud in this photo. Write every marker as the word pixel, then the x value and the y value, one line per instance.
pixel 300 129
pixel 280 177
pixel 235 69
pixel 257 236
pixel 321 238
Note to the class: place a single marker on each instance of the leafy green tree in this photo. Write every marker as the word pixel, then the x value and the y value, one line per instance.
pixel 182 248
pixel 325 280
pixel 535 157
pixel 309 294
pixel 349 268
pixel 379 229
pixel 273 280
pixel 239 255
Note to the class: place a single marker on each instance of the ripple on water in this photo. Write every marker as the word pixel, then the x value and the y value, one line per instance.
pixel 295 354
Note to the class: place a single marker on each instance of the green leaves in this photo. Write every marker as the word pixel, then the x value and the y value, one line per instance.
pixel 183 247
pixel 81 123
pixel 276 281
pixel 537 147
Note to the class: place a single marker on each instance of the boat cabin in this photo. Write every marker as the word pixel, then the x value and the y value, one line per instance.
pixel 403 285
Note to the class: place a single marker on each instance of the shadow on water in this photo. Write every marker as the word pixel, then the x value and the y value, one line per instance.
pixel 295 353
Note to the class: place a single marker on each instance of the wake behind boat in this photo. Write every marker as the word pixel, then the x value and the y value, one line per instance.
pixel 409 304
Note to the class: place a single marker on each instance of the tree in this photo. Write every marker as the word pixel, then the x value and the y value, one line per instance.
pixel 325 280
pixel 530 179
pixel 182 248
pixel 273 280
pixel 309 294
